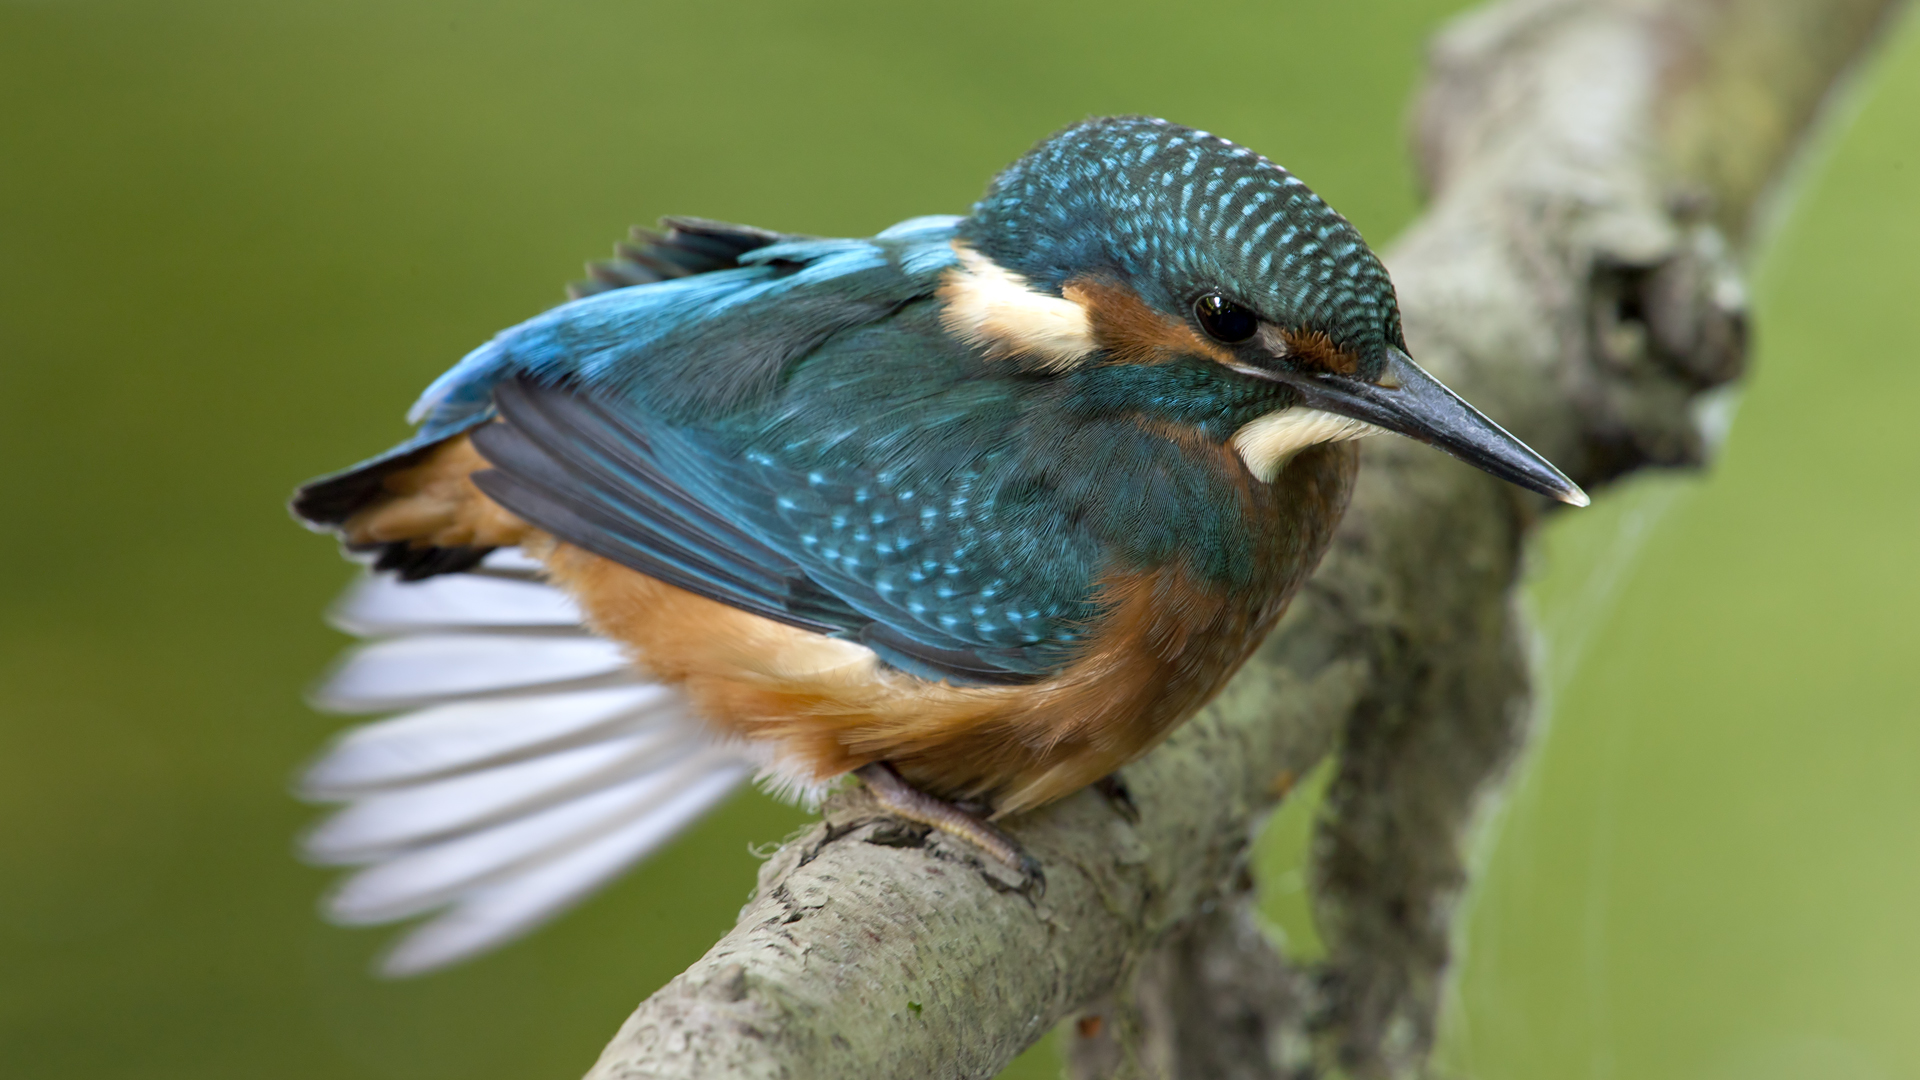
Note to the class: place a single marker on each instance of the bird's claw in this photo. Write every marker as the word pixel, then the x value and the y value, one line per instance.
pixel 1036 878
pixel 1119 797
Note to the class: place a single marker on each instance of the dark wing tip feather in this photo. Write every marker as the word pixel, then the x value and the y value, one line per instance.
pixel 333 499
pixel 410 563
pixel 330 500
pixel 721 235
pixel 327 503
pixel 689 246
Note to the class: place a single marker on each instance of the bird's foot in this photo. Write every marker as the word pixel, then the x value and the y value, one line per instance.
pixel 904 800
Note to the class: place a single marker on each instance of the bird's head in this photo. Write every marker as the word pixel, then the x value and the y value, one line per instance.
pixel 1131 242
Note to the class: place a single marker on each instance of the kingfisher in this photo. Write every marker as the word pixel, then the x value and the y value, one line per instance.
pixel 978 510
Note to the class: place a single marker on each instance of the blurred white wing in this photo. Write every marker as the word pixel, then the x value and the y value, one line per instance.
pixel 531 765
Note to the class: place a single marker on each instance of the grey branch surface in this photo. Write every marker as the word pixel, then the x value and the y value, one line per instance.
pixel 1587 163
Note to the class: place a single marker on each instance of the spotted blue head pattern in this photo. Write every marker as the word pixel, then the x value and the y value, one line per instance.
pixel 1175 212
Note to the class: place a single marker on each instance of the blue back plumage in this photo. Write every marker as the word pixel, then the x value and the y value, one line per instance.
pixel 747 322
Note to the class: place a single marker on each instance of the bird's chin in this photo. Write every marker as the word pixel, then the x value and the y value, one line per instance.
pixel 1265 444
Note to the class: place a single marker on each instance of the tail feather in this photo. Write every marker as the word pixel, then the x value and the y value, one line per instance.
pixel 466 735
pixel 501 911
pixel 423 669
pixel 511 564
pixel 431 875
pixel 380 606
pixel 376 825
pixel 533 765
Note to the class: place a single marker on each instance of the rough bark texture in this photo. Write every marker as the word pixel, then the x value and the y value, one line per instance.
pixel 1587 160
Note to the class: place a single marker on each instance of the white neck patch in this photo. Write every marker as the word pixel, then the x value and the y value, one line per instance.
pixel 995 309
pixel 1267 443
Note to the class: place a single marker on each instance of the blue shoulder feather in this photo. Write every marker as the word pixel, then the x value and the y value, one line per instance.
pixel 745 303
pixel 703 342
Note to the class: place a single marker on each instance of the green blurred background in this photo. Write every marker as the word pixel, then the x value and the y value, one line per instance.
pixel 236 238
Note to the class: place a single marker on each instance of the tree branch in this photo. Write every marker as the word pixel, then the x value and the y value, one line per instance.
pixel 1587 159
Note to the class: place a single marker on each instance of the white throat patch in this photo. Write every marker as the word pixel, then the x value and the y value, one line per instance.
pixel 993 308
pixel 1266 443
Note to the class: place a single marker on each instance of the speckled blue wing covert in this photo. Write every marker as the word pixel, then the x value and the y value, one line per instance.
pixel 822 454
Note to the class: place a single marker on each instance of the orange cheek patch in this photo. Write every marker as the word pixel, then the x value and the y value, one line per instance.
pixel 1132 332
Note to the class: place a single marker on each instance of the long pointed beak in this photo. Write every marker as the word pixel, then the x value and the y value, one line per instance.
pixel 1413 403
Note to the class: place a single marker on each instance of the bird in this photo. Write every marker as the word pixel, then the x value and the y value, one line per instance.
pixel 977 510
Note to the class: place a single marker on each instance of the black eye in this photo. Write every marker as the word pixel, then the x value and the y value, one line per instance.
pixel 1224 320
